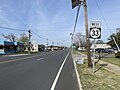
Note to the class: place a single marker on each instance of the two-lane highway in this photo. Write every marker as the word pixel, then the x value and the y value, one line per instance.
pixel 38 72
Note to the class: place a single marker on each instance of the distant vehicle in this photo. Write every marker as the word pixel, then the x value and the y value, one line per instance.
pixel 98 50
pixel 109 50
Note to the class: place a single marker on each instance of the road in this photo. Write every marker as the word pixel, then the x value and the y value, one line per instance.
pixel 38 72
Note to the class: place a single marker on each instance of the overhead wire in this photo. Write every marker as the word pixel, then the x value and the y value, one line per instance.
pixel 25 24
pixel 12 29
pixel 107 24
pixel 21 20
pixel 103 16
pixel 44 38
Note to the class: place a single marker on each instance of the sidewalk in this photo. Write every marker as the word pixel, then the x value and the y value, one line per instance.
pixel 110 67
pixel 106 65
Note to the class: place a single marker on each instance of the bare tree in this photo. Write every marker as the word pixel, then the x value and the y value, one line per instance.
pixel 24 39
pixel 79 39
pixel 11 37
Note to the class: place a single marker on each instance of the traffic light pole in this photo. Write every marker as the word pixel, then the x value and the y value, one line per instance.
pixel 87 34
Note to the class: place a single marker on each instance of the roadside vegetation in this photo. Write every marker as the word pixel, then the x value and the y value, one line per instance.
pixel 115 61
pixel 100 80
pixel 112 60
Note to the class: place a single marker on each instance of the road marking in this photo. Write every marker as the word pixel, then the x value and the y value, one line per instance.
pixel 40 59
pixel 18 55
pixel 19 59
pixel 53 54
pixel 78 79
pixel 58 74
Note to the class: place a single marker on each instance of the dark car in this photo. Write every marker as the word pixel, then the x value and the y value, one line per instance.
pixel 98 50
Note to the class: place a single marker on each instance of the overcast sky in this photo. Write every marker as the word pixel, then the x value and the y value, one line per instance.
pixel 54 19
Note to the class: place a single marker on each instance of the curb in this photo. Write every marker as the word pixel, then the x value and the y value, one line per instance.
pixel 78 79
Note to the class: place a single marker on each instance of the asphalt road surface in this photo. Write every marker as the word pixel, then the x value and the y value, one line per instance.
pixel 46 71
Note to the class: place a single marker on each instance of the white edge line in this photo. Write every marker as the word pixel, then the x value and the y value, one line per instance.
pixel 58 74
pixel 78 79
pixel 40 58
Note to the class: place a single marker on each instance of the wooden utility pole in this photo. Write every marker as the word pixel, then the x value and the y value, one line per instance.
pixel 29 40
pixel 47 42
pixel 87 34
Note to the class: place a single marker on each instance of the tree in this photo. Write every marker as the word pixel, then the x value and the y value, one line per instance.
pixel 79 40
pixel 11 37
pixel 111 41
pixel 24 39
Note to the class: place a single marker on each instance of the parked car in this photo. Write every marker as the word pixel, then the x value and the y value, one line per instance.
pixel 98 50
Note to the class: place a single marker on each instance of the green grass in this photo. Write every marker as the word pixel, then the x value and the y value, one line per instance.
pixel 83 52
pixel 75 52
pixel 101 80
pixel 79 52
pixel 115 61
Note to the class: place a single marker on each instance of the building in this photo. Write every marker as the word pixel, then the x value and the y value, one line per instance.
pixel 7 47
pixel 35 47
pixel 19 47
pixel 55 48
pixel 103 46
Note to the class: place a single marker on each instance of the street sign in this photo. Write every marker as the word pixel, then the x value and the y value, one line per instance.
pixel 76 3
pixel 95 33
pixel 96 24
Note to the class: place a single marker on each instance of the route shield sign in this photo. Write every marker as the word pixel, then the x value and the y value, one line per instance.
pixel 95 30
pixel 95 33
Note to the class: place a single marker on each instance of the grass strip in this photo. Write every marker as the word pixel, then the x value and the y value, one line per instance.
pixel 100 80
pixel 115 61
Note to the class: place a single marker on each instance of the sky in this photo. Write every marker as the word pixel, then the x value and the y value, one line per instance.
pixel 54 19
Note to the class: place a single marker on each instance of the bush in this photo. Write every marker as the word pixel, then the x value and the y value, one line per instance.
pixel 117 55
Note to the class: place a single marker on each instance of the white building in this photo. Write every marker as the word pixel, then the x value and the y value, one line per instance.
pixel 34 47
pixel 104 46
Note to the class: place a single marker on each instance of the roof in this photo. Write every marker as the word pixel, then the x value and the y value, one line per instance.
pixel 18 43
pixel 101 46
pixel 2 42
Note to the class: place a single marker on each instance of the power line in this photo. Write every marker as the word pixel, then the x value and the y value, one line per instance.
pixel 39 36
pixel 103 16
pixel 107 25
pixel 43 37
pixel 13 29
pixel 65 40
pixel 21 20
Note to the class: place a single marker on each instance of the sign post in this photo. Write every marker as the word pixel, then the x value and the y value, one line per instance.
pixel 95 33
pixel 117 31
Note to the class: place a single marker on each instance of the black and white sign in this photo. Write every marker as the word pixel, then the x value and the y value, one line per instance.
pixel 95 33
pixel 96 24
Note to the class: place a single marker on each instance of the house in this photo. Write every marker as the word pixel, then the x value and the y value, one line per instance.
pixel 35 47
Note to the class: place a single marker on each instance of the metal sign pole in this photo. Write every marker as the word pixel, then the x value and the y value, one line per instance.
pixel 94 58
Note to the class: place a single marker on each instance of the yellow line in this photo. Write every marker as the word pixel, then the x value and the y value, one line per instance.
pixel 20 59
